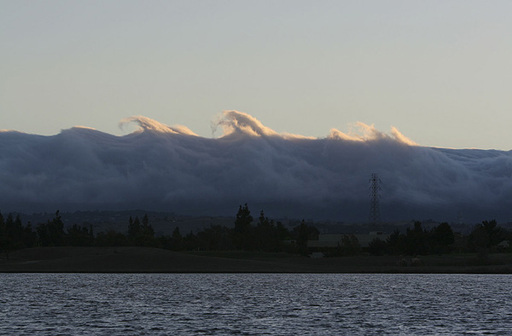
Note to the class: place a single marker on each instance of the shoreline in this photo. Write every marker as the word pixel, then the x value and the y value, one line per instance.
pixel 154 260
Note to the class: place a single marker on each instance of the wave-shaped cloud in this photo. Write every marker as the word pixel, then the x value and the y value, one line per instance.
pixel 160 167
pixel 366 133
pixel 147 124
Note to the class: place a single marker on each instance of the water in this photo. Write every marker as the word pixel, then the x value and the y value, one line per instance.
pixel 255 304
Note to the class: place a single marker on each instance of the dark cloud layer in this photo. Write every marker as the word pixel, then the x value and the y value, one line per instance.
pixel 171 169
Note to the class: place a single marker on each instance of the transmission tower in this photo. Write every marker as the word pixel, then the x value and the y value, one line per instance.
pixel 374 199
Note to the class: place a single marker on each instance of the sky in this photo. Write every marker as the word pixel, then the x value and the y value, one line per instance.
pixel 438 71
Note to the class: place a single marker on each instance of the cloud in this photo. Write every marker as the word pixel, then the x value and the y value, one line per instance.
pixel 147 124
pixel 365 133
pixel 402 138
pixel 160 167
pixel 239 123
pixel 236 124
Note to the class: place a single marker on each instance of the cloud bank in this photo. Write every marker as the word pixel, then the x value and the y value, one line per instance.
pixel 159 167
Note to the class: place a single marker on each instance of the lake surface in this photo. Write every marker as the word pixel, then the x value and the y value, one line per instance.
pixel 255 304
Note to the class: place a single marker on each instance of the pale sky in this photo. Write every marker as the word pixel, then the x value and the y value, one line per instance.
pixel 439 71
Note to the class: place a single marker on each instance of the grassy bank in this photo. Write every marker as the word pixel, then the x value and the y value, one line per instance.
pixel 141 259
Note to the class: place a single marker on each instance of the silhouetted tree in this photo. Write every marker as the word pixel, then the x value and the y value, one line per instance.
pixel 15 231
pixel 13 235
pixel 485 236
pixel 141 234
pixel 147 233
pixel 377 247
pixel 52 233
pixel 494 232
pixel 395 243
pixel 442 238
pixel 266 234
pixel 4 237
pixel 29 236
pixel 303 233
pixel 134 229
pixel 80 236
pixel 176 240
pixel 190 242
pixel 12 232
pixel 416 240
pixel 349 245
pixel 215 238
pixel 243 219
pixel 242 233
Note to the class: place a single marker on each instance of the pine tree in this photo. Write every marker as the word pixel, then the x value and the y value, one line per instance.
pixel 134 229
pixel 242 234
pixel 4 239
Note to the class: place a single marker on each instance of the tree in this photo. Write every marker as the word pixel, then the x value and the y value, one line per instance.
pixel 442 238
pixel 80 236
pixel 215 238
pixel 176 240
pixel 141 234
pixel 243 219
pixel 302 238
pixel 52 233
pixel 242 233
pixel 266 234
pixel 485 236
pixel 303 233
pixel 133 229
pixel 494 232
pixel 416 240
pixel 13 235
pixel 396 243
pixel 15 231
pixel 349 245
pixel 190 241
pixel 282 234
pixel 29 236
pixel 4 238
pixel 377 247
pixel 147 233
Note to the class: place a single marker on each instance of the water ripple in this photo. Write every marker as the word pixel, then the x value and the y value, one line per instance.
pixel 254 304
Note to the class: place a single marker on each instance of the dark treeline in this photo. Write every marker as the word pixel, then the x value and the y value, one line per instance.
pixel 484 238
pixel 264 235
